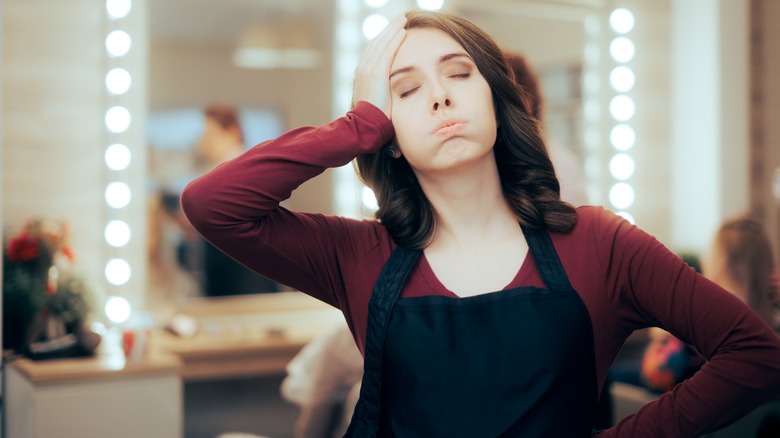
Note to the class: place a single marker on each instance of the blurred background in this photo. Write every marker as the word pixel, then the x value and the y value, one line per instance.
pixel 669 106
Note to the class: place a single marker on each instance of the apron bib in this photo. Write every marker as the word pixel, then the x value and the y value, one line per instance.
pixel 513 363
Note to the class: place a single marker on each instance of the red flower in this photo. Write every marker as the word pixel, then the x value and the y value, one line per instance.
pixel 68 251
pixel 23 248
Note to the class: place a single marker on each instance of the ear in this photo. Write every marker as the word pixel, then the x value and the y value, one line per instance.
pixel 393 150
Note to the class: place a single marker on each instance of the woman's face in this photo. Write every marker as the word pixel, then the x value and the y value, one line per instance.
pixel 442 107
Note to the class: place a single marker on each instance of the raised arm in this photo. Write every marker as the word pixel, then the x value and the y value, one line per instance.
pixel 236 205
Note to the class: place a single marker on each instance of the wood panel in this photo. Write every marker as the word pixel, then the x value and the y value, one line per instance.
pixel 765 112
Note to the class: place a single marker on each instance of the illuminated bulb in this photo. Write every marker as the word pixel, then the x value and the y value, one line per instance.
pixel 430 5
pixel 117 119
pixel 622 78
pixel 118 81
pixel 117 157
pixel 118 43
pixel 622 108
pixel 622 167
pixel 621 20
pixel 118 310
pixel 369 199
pixel 373 25
pixel 622 137
pixel 117 233
pixel 117 271
pixel 621 195
pixel 622 49
pixel 118 8
pixel 118 195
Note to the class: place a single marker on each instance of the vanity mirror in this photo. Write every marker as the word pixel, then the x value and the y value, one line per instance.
pixel 275 63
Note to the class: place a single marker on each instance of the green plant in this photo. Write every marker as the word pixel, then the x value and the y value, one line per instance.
pixel 37 281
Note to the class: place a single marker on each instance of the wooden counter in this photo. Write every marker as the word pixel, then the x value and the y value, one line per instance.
pixel 107 395
pixel 246 340
pixel 104 366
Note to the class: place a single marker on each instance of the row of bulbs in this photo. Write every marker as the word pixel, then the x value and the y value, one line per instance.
pixel 117 158
pixel 117 120
pixel 622 109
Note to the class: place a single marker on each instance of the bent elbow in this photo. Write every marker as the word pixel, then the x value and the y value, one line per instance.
pixel 194 204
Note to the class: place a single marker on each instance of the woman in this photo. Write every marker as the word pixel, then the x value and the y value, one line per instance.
pixel 740 259
pixel 483 305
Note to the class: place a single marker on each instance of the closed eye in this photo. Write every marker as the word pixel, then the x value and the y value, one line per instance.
pixel 461 75
pixel 409 92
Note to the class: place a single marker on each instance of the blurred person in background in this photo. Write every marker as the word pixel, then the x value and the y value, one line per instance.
pixel 223 140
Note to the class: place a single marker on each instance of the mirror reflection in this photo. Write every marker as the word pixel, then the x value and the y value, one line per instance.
pixel 235 74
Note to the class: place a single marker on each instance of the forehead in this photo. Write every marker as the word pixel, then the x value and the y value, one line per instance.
pixel 424 45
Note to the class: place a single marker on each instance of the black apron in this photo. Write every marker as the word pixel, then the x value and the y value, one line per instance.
pixel 513 363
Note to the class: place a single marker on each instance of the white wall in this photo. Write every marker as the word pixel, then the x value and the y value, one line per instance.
pixel 709 118
pixel 54 136
pixel 52 111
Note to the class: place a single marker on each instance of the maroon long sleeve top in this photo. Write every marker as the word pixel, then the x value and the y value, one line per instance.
pixel 627 279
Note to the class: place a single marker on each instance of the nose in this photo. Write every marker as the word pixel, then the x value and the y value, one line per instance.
pixel 440 96
pixel 445 101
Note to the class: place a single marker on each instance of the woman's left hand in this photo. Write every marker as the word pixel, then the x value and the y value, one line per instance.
pixel 372 78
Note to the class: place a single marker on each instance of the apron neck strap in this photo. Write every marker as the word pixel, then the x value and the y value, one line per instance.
pixel 386 292
pixel 546 259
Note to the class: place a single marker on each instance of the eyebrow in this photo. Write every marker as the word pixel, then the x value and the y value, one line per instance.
pixel 442 59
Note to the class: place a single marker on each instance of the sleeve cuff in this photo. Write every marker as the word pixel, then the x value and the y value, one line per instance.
pixel 376 116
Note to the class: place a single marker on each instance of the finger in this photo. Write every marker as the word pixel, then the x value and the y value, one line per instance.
pixel 372 74
pixel 395 43
pixel 392 28
pixel 379 46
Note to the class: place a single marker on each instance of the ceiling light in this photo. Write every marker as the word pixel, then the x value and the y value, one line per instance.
pixel 290 45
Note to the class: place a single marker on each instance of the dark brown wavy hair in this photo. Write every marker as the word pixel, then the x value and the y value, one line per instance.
pixel 526 172
pixel 747 250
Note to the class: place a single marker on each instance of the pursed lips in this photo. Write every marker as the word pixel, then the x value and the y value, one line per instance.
pixel 449 127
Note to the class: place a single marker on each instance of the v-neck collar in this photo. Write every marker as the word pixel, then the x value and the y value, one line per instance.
pixel 430 278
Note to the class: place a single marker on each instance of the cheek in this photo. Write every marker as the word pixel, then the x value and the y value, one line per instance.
pixel 407 129
pixel 487 109
pixel 491 126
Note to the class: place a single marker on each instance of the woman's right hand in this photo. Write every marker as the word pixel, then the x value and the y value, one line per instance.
pixel 372 77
